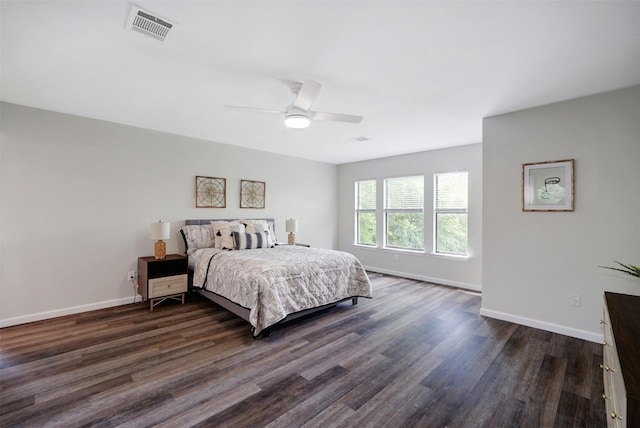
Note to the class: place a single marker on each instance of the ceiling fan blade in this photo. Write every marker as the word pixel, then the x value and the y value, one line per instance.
pixel 336 117
pixel 259 110
pixel 307 94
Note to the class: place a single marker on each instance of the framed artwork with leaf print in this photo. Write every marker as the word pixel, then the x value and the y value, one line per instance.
pixel 548 186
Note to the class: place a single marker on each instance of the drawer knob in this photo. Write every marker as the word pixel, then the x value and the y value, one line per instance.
pixel 614 415
pixel 607 368
pixel 605 396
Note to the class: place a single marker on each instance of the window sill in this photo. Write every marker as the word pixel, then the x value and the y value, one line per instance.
pixel 451 256
pixel 391 249
pixel 404 251
pixel 366 247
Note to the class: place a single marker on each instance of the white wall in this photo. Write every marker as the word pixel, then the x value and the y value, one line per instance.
pixel 533 261
pixel 461 273
pixel 77 197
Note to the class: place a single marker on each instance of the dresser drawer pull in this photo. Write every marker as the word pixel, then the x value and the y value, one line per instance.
pixel 614 415
pixel 607 368
pixel 605 396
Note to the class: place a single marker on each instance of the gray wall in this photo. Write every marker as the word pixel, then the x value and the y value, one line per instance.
pixel 424 266
pixel 78 195
pixel 534 261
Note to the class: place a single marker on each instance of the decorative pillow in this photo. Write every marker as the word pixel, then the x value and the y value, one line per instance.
pixel 271 228
pixel 197 236
pixel 257 226
pixel 248 241
pixel 224 239
pixel 216 225
pixel 222 232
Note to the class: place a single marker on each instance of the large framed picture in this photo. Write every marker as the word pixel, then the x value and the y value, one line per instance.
pixel 252 194
pixel 548 186
pixel 211 192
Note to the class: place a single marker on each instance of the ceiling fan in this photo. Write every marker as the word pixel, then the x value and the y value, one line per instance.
pixel 298 115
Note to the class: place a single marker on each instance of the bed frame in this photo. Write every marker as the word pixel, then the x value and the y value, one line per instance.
pixel 241 311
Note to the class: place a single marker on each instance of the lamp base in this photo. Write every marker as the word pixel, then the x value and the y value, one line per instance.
pixel 160 250
pixel 292 238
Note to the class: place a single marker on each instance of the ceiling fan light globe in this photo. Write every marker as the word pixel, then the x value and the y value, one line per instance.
pixel 297 121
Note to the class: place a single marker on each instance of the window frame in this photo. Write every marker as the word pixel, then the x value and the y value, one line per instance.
pixel 386 211
pixel 437 211
pixel 359 211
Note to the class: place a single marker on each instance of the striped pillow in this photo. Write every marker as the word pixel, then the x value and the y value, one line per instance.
pixel 248 241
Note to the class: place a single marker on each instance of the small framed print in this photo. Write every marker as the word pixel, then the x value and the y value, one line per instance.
pixel 548 186
pixel 252 194
pixel 211 192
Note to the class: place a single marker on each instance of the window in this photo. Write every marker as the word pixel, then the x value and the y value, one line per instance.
pixel 366 212
pixel 404 212
pixel 451 212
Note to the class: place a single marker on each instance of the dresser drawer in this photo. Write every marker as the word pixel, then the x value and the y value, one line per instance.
pixel 168 285
pixel 621 370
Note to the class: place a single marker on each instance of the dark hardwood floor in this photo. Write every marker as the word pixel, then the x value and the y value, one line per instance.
pixel 417 355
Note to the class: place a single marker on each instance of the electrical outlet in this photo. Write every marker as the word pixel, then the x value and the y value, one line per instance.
pixel 131 276
pixel 575 300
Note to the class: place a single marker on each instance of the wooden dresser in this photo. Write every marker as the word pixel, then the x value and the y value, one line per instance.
pixel 621 359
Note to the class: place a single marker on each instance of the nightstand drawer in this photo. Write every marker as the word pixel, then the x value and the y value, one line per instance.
pixel 167 285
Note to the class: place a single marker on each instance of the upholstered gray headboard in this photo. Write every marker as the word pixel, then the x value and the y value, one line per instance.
pixel 208 221
pixel 199 222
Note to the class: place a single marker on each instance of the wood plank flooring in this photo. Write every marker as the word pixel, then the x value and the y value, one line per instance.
pixel 417 355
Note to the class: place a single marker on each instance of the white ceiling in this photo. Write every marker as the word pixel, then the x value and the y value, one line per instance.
pixel 423 73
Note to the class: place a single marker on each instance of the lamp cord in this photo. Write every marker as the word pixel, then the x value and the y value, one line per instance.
pixel 135 289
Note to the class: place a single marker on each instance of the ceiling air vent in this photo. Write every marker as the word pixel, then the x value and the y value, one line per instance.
pixel 147 23
pixel 361 138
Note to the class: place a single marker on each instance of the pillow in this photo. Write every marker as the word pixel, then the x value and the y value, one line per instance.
pixel 248 241
pixel 216 225
pixel 257 226
pixel 222 232
pixel 197 236
pixel 224 239
pixel 272 233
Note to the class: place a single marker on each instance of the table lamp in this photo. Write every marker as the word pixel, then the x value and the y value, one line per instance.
pixel 292 228
pixel 160 231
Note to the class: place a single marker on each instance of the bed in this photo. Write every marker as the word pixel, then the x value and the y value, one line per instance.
pixel 239 265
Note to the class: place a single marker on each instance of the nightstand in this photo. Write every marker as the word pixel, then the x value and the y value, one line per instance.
pixel 159 280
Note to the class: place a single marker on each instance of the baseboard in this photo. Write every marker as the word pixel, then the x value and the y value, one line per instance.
pixel 472 287
pixel 543 325
pixel 8 322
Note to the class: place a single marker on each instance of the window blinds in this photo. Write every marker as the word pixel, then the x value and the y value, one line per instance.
pixel 405 193
pixel 451 191
pixel 366 195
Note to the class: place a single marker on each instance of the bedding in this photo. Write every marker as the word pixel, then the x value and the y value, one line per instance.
pixel 273 283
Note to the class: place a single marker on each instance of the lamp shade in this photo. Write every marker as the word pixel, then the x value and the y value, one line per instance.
pixel 292 226
pixel 160 230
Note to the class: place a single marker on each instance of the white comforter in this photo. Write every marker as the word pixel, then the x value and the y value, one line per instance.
pixel 275 282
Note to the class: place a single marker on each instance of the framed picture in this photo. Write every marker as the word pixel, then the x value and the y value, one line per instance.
pixel 548 186
pixel 211 192
pixel 252 194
